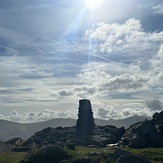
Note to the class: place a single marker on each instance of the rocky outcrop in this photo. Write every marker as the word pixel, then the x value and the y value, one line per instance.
pixel 148 133
pixel 105 135
pixel 158 117
pixel 145 134
pixel 101 136
pixel 85 123
pixel 56 136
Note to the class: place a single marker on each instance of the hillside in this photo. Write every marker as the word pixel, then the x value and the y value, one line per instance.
pixel 13 129
pixel 24 131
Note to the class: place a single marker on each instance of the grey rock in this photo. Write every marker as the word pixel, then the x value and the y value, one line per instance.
pixel 55 136
pixel 105 135
pixel 148 133
pixel 49 154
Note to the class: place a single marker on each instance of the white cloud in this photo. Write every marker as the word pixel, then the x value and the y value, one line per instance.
pixel 76 92
pixel 29 117
pixel 107 112
pixel 128 39
pixel 125 83
pixel 111 111
pixel 160 52
pixel 94 72
pixel 107 79
pixel 128 112
pixel 101 110
pixel 158 9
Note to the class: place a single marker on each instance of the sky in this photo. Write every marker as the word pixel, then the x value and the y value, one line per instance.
pixel 55 52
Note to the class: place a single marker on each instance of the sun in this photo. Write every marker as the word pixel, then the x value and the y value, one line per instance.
pixel 93 3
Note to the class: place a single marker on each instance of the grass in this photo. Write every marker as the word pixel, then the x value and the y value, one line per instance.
pixel 96 154
pixel 12 157
pixel 153 154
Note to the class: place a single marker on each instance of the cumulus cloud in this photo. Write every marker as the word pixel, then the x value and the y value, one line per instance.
pixel 160 52
pixel 142 111
pixel 107 80
pixel 125 39
pixel 95 72
pixel 125 83
pixel 75 92
pixel 156 61
pixel 158 9
pixel 154 104
pixel 112 111
pixel 98 82
pixel 107 112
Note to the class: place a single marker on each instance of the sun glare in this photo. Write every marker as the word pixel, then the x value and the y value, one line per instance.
pixel 93 3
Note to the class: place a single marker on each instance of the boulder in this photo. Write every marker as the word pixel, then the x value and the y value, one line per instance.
pixel 49 154
pixel 14 141
pixel 136 141
pixel 158 116
pixel 70 145
pixel 144 134
pixel 53 136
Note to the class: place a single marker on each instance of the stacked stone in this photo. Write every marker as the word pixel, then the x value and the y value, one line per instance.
pixel 85 123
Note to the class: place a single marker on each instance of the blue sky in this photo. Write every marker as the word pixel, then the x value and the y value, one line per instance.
pixel 55 52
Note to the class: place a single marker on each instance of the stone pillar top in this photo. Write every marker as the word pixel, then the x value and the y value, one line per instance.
pixel 84 101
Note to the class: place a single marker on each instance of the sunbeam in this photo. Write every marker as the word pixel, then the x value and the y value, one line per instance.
pixel 74 26
pixel 93 3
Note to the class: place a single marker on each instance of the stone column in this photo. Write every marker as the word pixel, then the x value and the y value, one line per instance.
pixel 85 123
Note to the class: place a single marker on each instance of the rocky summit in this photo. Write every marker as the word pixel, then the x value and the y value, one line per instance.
pixel 148 133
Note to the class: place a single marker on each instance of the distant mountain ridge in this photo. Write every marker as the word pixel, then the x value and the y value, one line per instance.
pixel 13 129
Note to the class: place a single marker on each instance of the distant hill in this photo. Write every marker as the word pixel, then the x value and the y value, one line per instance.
pixel 127 122
pixel 12 129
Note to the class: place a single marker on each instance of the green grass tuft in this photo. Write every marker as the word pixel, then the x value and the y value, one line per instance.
pixel 95 154
pixel 12 157
pixel 153 154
